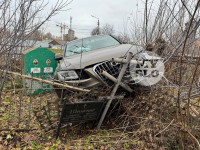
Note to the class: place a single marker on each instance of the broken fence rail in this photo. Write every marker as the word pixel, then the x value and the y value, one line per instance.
pixel 46 81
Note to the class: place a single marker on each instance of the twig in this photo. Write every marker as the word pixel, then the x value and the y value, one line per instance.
pixel 165 128
pixel 194 139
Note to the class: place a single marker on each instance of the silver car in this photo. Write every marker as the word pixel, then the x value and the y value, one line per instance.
pixel 83 60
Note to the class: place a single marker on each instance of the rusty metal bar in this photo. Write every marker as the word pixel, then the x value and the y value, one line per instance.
pixel 122 60
pixel 121 74
pixel 126 87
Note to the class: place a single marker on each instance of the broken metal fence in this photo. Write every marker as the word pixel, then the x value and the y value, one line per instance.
pixel 20 110
pixel 23 111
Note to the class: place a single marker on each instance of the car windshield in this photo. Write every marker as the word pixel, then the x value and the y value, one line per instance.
pixel 89 44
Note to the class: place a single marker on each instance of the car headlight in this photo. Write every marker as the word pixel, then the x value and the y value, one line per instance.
pixel 67 75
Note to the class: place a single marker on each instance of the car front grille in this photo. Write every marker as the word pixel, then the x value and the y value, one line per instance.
pixel 111 67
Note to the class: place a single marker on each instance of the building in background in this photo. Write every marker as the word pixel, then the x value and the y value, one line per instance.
pixel 57 44
pixel 65 37
pixel 58 37
pixel 71 34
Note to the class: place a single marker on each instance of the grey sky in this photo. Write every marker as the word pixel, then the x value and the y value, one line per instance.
pixel 109 11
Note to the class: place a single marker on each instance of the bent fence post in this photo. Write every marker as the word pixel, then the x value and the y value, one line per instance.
pixel 121 74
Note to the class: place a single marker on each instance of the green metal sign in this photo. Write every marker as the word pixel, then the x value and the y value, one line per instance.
pixel 40 63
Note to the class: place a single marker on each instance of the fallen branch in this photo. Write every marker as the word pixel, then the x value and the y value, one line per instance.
pixel 18 130
pixel 47 82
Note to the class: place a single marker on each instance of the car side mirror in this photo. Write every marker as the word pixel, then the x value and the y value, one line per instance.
pixel 58 57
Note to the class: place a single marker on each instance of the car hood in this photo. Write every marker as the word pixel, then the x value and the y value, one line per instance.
pixel 79 61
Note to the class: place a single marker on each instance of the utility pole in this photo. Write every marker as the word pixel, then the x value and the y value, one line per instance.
pixel 61 28
pixel 70 22
pixel 64 27
pixel 97 24
pixel 146 21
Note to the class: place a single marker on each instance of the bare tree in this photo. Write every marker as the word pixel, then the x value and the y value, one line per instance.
pixel 171 30
pixel 108 29
pixel 48 36
pixel 123 38
pixel 18 21
pixel 36 35
pixel 96 31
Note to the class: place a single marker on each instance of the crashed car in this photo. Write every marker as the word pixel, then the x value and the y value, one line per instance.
pixel 84 59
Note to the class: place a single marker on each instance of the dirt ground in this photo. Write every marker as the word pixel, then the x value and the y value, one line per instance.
pixel 145 122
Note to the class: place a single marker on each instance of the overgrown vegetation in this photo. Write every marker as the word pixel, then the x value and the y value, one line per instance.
pixel 167 118
pixel 144 122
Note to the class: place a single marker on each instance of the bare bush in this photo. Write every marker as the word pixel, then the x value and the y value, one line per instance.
pixel 108 29
pixel 19 20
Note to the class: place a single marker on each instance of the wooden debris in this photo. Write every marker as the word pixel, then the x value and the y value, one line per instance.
pixel 48 82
